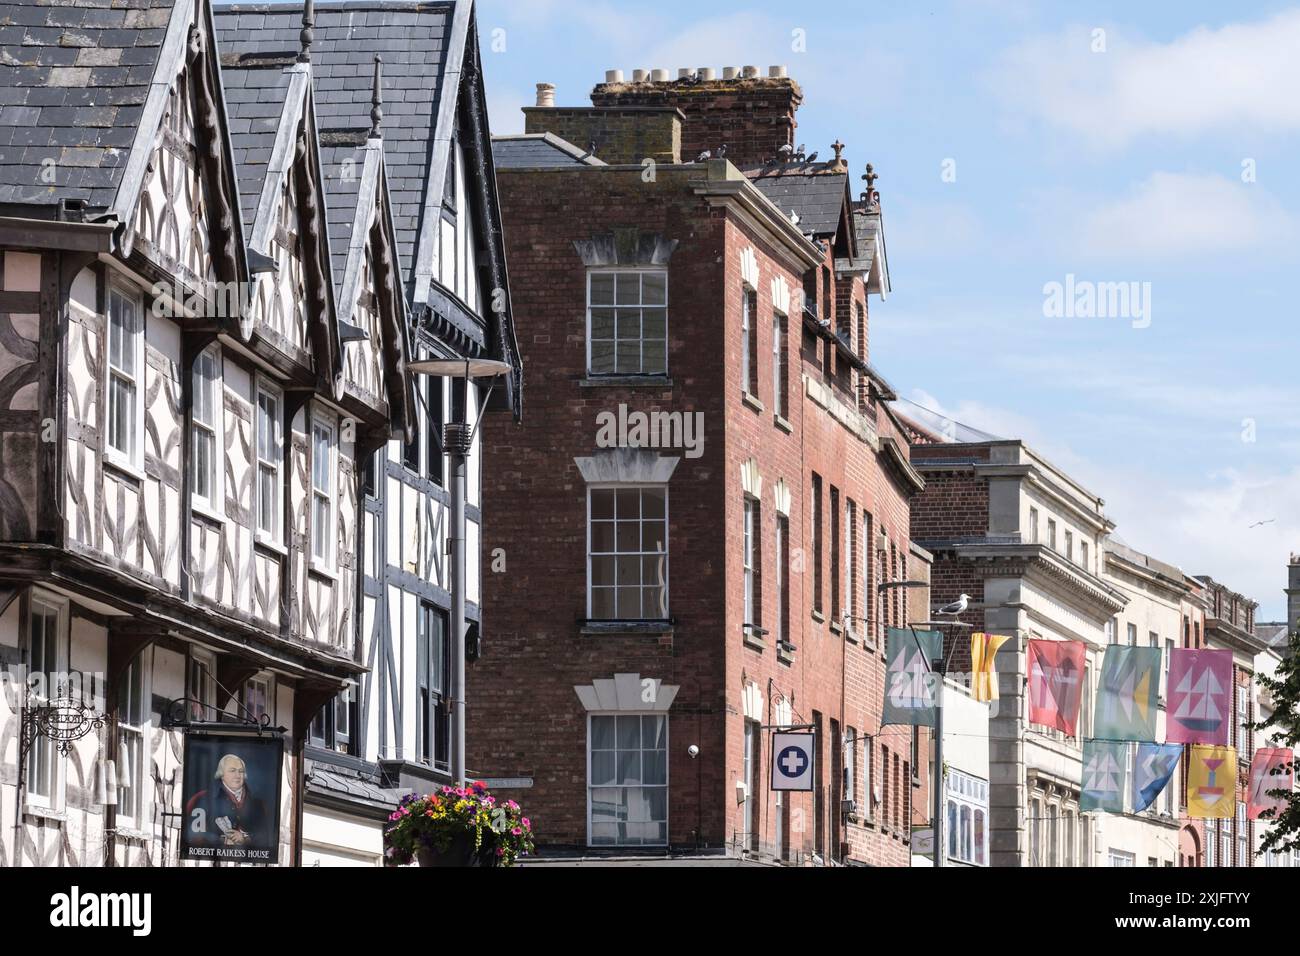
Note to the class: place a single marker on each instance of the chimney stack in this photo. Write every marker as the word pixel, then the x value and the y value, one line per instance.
pixel 751 114
pixel 546 95
pixel 613 76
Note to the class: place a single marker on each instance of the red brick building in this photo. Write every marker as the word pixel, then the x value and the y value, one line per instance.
pixel 707 491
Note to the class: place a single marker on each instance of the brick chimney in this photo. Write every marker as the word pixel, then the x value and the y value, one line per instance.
pixel 752 115
pixel 619 137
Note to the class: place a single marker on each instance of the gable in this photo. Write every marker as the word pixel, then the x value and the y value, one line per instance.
pixel 177 194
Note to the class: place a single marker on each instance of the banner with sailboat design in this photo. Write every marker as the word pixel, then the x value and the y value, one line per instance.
pixel 1152 769
pixel 1126 698
pixel 1200 697
pixel 1104 769
pixel 910 686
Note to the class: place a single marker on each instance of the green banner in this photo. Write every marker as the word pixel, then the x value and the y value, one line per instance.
pixel 910 683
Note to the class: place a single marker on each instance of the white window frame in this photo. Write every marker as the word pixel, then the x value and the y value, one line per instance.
pixel 1033 525
pixel 135 765
pixel 640 488
pixel 749 340
pixel 214 503
pixel 268 682
pixel 203 699
pixel 275 535
pixel 966 792
pixel 868 785
pixel 848 606
pixel 45 602
pixel 131 459
pixel 1120 858
pixel 750 543
pixel 780 357
pixel 667 784
pixel 326 496
pixel 667 305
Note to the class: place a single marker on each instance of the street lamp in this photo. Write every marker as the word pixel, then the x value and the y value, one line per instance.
pixel 457 440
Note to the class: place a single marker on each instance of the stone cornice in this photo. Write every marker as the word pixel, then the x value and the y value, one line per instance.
pixel 999 559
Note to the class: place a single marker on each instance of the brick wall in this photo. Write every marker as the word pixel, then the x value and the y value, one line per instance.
pixel 752 117
pixel 525 718
pixel 621 136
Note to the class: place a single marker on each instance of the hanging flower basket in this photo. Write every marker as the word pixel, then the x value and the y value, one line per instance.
pixel 457 827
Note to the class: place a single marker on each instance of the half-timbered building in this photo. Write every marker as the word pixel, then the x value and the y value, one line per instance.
pixel 212 278
pixel 433 165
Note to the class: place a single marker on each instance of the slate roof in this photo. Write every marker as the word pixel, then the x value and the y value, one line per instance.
pixel 341 167
pixel 538 151
pixel 340 782
pixel 411 38
pixel 816 197
pixel 74 75
pixel 254 103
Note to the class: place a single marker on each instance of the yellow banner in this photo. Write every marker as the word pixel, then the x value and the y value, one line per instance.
pixel 983 651
pixel 1212 783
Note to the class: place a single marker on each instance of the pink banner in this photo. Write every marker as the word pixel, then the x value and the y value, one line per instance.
pixel 1272 769
pixel 1200 697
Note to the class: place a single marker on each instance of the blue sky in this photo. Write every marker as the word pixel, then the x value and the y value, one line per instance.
pixel 1159 150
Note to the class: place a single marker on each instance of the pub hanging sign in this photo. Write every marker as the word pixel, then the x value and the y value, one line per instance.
pixel 231 798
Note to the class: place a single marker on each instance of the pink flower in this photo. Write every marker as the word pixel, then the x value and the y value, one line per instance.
pixel 527 823
pixel 517 831
pixel 512 805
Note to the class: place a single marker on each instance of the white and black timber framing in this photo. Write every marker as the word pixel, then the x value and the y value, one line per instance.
pixel 426 122
pixel 273 235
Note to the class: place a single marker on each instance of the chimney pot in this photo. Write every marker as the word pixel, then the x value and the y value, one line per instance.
pixel 751 72
pixel 638 76
pixel 708 73
pixel 546 95
pixel 728 72
pixel 778 72
pixel 684 73
pixel 613 76
pixel 660 76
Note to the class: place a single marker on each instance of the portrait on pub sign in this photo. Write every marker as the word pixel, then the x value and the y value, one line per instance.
pixel 232 798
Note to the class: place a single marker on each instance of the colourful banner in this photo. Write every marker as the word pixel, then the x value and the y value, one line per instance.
pixel 1211 782
pixel 1273 768
pixel 1151 772
pixel 910 686
pixel 1200 697
pixel 1056 684
pixel 983 654
pixel 1104 770
pixel 1127 694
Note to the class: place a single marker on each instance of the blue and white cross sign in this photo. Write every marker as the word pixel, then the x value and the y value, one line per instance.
pixel 792 761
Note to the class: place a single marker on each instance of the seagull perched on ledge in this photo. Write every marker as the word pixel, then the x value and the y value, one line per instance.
pixel 956 607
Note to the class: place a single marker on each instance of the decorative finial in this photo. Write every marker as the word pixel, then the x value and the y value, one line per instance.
pixel 839 150
pixel 871 196
pixel 306 36
pixel 376 100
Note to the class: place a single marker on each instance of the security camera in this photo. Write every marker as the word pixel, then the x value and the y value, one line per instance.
pixel 693 751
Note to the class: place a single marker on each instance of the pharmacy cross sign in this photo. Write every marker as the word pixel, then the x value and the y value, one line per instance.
pixel 792 763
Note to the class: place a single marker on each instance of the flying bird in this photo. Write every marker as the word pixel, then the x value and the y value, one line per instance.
pixel 956 607
pixel 1260 524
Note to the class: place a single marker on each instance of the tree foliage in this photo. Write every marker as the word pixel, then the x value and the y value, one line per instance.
pixel 1284 727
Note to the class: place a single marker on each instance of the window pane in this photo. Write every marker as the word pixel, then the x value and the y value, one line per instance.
pixel 602 323
pixel 602 733
pixel 629 733
pixel 629 288
pixel 602 768
pixel 654 289
pixel 602 505
pixel 629 767
pixel 602 357
pixel 628 604
pixel 654 357
pixel 602 571
pixel 603 604
pixel 655 767
pixel 653 502
pixel 628 357
pixel 602 288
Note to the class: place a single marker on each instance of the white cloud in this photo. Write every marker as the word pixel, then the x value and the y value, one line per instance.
pixel 1173 214
pixel 1239 76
